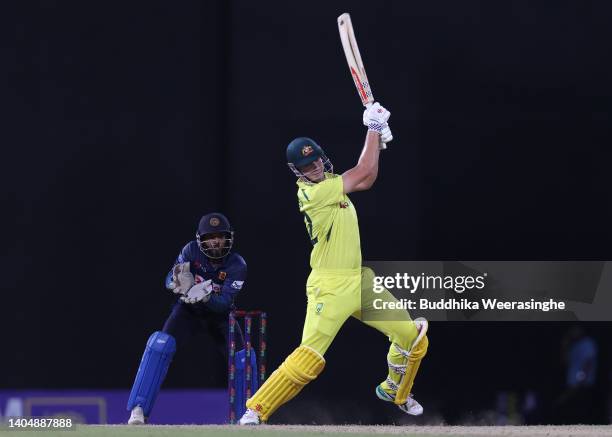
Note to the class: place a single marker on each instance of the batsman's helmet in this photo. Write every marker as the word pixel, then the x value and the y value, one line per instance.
pixel 215 223
pixel 303 151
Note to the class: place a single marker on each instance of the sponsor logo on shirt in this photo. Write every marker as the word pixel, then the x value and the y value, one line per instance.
pixel 344 204
pixel 237 284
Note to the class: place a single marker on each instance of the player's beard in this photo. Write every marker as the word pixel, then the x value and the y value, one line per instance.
pixel 216 252
pixel 220 251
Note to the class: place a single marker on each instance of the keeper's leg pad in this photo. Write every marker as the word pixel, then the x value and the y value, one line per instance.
pixel 302 366
pixel 240 379
pixel 414 357
pixel 152 371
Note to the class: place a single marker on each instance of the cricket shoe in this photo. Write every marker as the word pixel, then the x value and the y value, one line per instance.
pixel 137 416
pixel 411 406
pixel 250 417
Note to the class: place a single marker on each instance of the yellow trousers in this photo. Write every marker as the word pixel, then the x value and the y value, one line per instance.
pixel 333 297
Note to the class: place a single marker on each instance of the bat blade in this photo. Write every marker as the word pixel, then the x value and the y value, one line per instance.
pixel 353 58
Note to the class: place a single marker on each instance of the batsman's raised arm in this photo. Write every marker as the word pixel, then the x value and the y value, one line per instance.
pixel 362 176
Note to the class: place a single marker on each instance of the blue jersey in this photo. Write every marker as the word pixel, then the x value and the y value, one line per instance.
pixel 227 278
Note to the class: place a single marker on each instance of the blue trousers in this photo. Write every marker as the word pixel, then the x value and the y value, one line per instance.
pixel 185 320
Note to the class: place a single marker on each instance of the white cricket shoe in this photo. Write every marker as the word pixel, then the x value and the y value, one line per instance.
pixel 411 406
pixel 249 417
pixel 137 416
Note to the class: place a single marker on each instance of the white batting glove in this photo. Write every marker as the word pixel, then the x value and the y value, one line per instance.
pixel 386 136
pixel 182 279
pixel 198 293
pixel 375 117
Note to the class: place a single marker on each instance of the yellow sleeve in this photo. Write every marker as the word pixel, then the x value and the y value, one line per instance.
pixel 327 192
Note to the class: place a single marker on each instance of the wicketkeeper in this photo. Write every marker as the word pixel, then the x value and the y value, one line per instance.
pixel 206 277
pixel 335 285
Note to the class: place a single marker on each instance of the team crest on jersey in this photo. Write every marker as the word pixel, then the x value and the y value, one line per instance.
pixel 222 276
pixel 344 204
pixel 319 307
pixel 307 150
pixel 214 221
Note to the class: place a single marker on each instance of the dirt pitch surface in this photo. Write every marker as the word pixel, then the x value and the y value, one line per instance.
pixel 314 431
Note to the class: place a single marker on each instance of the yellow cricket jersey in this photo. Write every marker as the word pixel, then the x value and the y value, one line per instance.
pixel 331 222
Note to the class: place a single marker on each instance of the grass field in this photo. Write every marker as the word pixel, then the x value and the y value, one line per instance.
pixel 313 431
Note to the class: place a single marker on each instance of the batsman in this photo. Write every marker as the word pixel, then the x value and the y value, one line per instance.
pixel 335 286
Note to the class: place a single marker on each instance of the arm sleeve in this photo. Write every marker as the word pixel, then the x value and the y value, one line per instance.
pixel 224 301
pixel 325 193
pixel 184 256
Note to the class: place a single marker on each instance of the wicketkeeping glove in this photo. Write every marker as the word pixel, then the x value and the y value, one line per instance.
pixel 198 293
pixel 182 279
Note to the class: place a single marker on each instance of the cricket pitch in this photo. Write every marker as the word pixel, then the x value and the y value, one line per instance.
pixel 323 430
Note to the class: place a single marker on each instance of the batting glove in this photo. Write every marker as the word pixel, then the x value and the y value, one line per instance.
pixel 182 279
pixel 198 293
pixel 385 135
pixel 375 117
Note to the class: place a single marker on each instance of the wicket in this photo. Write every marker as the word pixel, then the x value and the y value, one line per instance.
pixel 234 408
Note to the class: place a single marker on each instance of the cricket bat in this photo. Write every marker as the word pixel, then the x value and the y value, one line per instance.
pixel 353 57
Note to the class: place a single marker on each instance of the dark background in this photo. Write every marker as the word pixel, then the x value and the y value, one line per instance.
pixel 124 122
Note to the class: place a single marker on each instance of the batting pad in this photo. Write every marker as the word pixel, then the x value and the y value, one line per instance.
pixel 302 366
pixel 415 356
pixel 152 371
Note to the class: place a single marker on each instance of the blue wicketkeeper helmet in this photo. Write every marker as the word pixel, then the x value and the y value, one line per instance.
pixel 215 223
